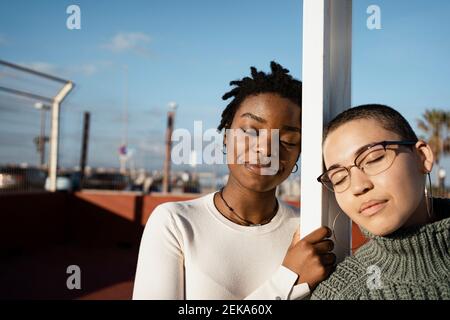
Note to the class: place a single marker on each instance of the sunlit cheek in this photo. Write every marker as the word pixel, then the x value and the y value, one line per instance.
pixel 233 149
pixel 413 178
pixel 287 157
pixel 394 182
pixel 243 147
pixel 404 189
pixel 347 204
pixel 284 154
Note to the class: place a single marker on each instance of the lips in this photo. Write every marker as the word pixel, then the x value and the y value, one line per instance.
pixel 261 169
pixel 258 165
pixel 372 207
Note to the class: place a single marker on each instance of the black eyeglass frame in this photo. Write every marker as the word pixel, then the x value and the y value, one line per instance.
pixel 370 146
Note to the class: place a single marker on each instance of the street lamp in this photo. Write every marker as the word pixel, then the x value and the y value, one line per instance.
pixel 42 139
pixel 172 106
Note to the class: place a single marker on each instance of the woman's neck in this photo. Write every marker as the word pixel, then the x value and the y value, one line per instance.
pixel 253 206
pixel 423 215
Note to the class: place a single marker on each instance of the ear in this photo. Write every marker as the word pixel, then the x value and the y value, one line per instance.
pixel 426 156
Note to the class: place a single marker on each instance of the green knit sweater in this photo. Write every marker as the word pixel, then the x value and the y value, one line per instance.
pixel 408 264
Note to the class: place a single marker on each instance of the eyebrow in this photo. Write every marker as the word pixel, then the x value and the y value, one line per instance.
pixel 254 117
pixel 262 120
pixel 355 154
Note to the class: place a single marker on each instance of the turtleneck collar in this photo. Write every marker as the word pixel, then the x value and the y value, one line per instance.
pixel 415 253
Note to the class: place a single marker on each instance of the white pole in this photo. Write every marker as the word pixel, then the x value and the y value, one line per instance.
pixel 326 92
pixel 54 136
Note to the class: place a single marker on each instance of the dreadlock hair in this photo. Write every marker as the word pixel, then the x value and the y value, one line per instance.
pixel 279 81
pixel 388 118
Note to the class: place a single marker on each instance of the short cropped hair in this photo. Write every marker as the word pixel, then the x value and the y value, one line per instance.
pixel 388 118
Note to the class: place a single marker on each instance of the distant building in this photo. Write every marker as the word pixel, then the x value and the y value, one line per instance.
pixel 289 189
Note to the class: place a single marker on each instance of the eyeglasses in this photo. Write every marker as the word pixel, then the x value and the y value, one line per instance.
pixel 372 160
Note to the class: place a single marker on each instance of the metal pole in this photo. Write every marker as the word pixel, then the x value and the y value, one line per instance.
pixel 56 101
pixel 169 130
pixel 327 26
pixel 54 137
pixel 42 138
pixel 166 176
pixel 34 72
pixel 84 146
pixel 25 94
pixel 126 105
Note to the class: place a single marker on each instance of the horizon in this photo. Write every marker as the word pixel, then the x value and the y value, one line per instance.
pixel 129 60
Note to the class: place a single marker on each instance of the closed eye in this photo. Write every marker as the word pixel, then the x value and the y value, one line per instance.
pixel 340 181
pixel 375 160
pixel 288 143
pixel 250 132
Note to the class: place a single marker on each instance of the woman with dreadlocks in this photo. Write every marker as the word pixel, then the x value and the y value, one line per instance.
pixel 240 242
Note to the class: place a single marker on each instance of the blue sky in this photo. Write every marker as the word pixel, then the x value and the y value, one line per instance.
pixel 188 51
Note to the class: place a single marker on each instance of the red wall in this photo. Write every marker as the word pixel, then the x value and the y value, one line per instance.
pixel 33 220
pixel 41 234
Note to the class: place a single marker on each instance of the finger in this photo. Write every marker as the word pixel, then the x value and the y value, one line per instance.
pixel 328 259
pixel 324 246
pixel 295 238
pixel 318 235
pixel 329 269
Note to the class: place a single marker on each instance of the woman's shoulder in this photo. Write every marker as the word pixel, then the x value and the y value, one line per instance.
pixel 343 282
pixel 184 205
pixel 184 208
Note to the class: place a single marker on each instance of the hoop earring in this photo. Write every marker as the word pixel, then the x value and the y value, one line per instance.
pixel 296 169
pixel 429 199
pixel 334 233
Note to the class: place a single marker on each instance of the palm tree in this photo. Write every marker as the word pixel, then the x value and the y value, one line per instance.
pixel 436 125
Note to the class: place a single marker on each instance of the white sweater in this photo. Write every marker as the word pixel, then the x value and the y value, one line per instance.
pixel 189 250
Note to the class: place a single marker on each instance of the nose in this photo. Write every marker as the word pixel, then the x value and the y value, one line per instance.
pixel 264 143
pixel 360 182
